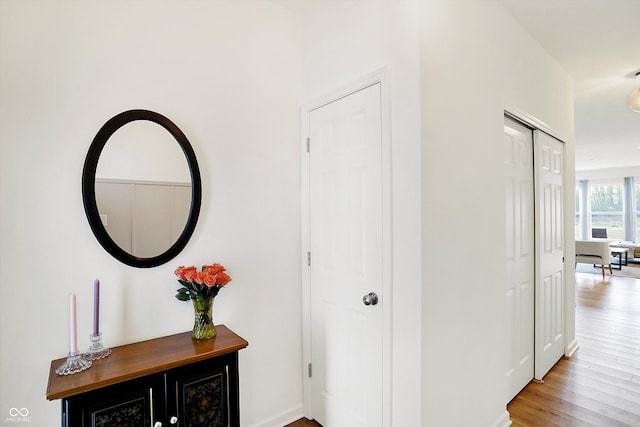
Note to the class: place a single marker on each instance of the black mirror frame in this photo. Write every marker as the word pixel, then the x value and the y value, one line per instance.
pixel 89 188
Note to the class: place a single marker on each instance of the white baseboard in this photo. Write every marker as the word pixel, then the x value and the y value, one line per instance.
pixel 571 348
pixel 282 419
pixel 504 420
pixel 296 413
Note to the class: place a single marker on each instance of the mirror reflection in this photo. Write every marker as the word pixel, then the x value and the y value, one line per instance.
pixel 143 188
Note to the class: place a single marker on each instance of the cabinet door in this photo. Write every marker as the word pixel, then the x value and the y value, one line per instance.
pixel 204 394
pixel 132 404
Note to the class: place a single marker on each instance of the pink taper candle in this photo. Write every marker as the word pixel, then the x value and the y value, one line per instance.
pixel 73 347
pixel 96 307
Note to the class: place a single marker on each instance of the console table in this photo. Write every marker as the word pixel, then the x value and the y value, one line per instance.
pixel 173 380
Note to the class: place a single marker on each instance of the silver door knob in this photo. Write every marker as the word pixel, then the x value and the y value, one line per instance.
pixel 173 420
pixel 370 299
pixel 157 424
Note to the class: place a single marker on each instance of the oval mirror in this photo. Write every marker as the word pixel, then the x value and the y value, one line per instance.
pixel 141 188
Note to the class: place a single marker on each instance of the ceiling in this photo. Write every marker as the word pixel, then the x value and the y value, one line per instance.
pixel 598 43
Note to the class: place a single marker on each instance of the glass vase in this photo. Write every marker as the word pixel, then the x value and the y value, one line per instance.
pixel 203 327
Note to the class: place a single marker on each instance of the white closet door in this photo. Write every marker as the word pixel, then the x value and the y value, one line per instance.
pixel 520 248
pixel 549 312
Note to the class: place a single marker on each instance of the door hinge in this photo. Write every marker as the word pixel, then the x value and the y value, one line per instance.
pixel 308 145
pixel 309 259
pixel 309 370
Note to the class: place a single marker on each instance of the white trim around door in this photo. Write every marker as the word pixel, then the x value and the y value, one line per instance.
pixel 378 77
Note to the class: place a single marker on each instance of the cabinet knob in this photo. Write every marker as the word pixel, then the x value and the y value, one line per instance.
pixel 173 420
pixel 157 424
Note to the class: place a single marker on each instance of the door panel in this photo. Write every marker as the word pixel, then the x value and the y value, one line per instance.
pixel 520 250
pixel 134 403
pixel 550 254
pixel 346 260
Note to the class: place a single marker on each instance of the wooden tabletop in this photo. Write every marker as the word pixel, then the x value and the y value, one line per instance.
pixel 142 358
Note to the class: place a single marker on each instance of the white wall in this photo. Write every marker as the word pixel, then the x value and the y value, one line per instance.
pixel 476 62
pixel 231 74
pixel 342 43
pixel 227 73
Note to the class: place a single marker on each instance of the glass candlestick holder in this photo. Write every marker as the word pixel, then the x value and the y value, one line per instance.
pixel 74 363
pixel 96 349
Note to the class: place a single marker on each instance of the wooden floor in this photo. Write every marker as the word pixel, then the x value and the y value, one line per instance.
pixel 303 422
pixel 600 385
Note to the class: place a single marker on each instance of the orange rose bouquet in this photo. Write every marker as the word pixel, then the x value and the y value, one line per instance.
pixel 201 285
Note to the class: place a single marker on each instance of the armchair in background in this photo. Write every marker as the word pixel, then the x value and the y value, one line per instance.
pixel 594 252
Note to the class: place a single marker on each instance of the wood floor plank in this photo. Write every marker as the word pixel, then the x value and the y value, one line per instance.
pixel 303 422
pixel 602 377
pixel 616 406
pixel 541 410
pixel 599 385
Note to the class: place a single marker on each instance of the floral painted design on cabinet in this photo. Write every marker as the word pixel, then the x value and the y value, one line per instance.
pixel 128 414
pixel 204 402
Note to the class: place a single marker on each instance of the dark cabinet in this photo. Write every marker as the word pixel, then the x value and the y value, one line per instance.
pixel 201 397
pixel 132 404
pixel 170 381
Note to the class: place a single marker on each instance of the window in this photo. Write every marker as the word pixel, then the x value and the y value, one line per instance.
pixel 606 208
pixel 637 210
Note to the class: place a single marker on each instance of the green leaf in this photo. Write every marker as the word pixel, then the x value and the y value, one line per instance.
pixel 182 296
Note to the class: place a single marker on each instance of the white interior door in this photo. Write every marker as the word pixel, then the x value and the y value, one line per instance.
pixel 549 311
pixel 520 252
pixel 345 181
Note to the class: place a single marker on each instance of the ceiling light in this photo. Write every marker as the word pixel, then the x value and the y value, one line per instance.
pixel 634 98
